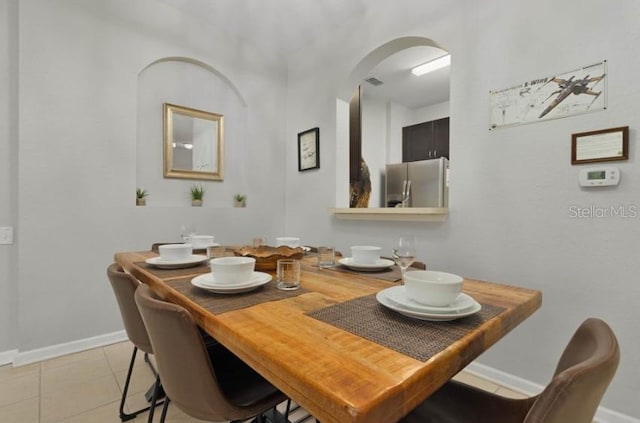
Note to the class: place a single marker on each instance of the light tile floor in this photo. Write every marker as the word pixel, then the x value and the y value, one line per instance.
pixel 86 387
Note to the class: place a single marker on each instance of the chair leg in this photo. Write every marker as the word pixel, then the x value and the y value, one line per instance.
pixel 129 416
pixel 153 369
pixel 164 410
pixel 154 400
pixel 149 394
pixel 270 416
pixel 287 410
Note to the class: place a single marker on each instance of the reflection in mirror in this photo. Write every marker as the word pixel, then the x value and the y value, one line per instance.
pixel 193 143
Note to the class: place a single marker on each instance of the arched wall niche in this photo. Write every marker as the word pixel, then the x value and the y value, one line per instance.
pixel 192 83
pixel 202 65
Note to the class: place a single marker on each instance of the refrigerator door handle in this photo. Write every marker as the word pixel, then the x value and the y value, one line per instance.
pixel 406 192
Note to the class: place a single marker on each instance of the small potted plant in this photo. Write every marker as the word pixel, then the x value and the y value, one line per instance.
pixel 141 197
pixel 239 200
pixel 197 194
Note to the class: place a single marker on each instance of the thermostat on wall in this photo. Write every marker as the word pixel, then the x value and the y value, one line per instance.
pixel 599 176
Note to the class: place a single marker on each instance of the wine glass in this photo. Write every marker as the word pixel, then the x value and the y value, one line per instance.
pixel 404 252
pixel 187 231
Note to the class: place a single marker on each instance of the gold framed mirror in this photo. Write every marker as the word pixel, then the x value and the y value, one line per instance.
pixel 193 143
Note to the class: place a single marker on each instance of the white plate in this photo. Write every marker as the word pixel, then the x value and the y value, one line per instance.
pixel 207 281
pixel 381 264
pixel 398 294
pixel 385 301
pixel 194 260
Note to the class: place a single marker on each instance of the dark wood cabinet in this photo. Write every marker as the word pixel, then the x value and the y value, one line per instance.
pixel 427 140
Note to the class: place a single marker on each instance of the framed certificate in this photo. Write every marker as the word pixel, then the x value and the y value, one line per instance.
pixel 600 146
pixel 309 149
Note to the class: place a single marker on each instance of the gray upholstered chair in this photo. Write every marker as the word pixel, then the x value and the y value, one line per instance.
pixel 206 383
pixel 124 286
pixel 582 375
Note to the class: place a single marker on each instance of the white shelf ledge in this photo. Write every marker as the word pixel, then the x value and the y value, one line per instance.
pixel 406 214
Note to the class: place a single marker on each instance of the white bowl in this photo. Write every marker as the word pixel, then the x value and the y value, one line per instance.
pixel 431 287
pixel 232 270
pixel 175 251
pixel 365 254
pixel 201 241
pixel 289 241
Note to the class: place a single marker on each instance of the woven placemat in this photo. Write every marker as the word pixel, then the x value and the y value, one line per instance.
pixel 221 303
pixel 419 339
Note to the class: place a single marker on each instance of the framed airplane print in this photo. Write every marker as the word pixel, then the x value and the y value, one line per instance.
pixel 551 97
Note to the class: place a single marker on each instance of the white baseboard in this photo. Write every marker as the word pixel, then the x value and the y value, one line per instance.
pixel 504 379
pixel 40 354
pixel 7 357
pixel 603 415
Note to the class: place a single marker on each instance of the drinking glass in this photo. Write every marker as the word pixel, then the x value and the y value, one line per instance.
pixel 215 251
pixel 326 257
pixel 187 231
pixel 288 274
pixel 404 252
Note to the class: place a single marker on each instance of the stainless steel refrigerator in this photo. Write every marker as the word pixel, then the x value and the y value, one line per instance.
pixel 417 184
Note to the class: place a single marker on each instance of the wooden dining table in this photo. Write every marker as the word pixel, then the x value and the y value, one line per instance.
pixel 331 347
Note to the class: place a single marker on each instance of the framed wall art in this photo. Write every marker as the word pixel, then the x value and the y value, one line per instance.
pixel 550 97
pixel 309 149
pixel 600 146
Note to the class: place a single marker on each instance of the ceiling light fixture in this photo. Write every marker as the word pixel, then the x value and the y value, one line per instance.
pixel 433 65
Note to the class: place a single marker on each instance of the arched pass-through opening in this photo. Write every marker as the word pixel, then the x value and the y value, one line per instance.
pixel 372 62
pixel 376 56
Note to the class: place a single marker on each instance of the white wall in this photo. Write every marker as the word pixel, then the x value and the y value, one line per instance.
pixel 8 144
pixel 511 188
pixel 585 267
pixel 78 87
pixel 375 124
pixel 433 112
pixel 399 117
